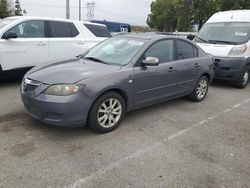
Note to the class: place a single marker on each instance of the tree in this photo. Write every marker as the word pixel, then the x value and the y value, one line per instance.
pixel 202 10
pixel 164 15
pixel 234 4
pixel 171 15
pixel 18 11
pixel 184 15
pixel 4 11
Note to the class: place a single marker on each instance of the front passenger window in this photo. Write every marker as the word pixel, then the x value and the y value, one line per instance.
pixel 29 29
pixel 163 50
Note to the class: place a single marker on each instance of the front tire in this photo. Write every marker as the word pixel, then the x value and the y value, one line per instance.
pixel 244 79
pixel 107 112
pixel 201 89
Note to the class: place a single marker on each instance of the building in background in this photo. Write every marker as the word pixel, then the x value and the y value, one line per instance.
pixel 114 27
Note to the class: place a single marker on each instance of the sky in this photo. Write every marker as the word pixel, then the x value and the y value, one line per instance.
pixel 134 12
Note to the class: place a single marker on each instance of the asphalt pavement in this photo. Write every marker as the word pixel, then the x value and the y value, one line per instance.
pixel 173 144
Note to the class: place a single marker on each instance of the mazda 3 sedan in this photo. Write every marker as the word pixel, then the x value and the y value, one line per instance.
pixel 119 75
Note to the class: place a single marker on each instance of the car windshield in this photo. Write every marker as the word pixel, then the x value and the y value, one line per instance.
pixel 116 50
pixel 224 33
pixel 6 21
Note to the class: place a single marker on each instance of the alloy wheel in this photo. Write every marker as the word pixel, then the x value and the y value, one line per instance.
pixel 109 113
pixel 202 89
pixel 245 78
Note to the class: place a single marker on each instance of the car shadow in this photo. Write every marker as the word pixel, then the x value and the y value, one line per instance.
pixel 12 77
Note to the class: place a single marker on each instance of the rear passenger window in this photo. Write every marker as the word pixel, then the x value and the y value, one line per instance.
pixel 62 29
pixel 98 30
pixel 185 50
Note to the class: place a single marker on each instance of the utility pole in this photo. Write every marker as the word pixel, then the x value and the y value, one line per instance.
pixel 67 10
pixel 90 10
pixel 80 10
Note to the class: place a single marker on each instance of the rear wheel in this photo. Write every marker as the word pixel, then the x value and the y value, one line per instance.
pixel 201 89
pixel 244 79
pixel 107 112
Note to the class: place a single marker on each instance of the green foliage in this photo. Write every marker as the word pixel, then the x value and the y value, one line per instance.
pixel 171 15
pixel 202 10
pixel 234 4
pixel 163 16
pixel 18 11
pixel 4 11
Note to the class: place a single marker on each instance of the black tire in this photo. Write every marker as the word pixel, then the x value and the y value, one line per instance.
pixel 1 73
pixel 94 113
pixel 194 96
pixel 242 82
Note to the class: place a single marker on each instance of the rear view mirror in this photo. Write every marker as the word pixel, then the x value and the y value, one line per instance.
pixel 151 61
pixel 9 35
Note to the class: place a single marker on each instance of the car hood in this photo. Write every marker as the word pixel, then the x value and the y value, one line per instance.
pixel 220 50
pixel 70 71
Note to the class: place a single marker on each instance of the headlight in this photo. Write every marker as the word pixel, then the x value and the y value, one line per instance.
pixel 238 50
pixel 63 89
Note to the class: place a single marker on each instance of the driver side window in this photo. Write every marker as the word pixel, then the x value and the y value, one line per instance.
pixel 163 50
pixel 29 29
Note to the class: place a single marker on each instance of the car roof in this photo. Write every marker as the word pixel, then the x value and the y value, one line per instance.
pixel 151 36
pixel 51 19
pixel 230 16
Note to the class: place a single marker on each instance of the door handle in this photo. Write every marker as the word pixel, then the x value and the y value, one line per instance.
pixel 42 44
pixel 171 69
pixel 197 65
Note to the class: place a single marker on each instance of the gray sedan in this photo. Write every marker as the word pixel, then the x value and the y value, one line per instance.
pixel 121 74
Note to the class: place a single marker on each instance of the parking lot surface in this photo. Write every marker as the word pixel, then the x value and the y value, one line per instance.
pixel 172 144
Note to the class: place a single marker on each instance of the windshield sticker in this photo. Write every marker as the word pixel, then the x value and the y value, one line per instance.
pixel 241 34
pixel 134 42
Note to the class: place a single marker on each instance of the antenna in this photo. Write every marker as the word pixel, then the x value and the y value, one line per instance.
pixel 90 10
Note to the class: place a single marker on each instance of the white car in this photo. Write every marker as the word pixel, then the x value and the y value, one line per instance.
pixel 226 35
pixel 30 41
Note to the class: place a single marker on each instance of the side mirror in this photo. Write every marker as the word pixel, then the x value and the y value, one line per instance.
pixel 9 35
pixel 151 61
pixel 191 37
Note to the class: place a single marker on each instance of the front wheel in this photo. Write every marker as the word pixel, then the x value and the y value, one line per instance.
pixel 244 79
pixel 107 112
pixel 201 89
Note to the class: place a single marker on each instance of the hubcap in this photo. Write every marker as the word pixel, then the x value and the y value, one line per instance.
pixel 109 113
pixel 202 89
pixel 245 78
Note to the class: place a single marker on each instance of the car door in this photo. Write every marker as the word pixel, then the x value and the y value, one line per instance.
pixel 64 41
pixel 30 48
pixel 187 65
pixel 155 82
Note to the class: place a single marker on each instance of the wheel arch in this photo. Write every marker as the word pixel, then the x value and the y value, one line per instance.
pixel 208 76
pixel 116 90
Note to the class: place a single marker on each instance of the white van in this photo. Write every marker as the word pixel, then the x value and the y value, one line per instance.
pixel 226 35
pixel 30 41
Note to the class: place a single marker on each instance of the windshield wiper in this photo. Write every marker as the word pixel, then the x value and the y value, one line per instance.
pixel 203 40
pixel 96 60
pixel 221 42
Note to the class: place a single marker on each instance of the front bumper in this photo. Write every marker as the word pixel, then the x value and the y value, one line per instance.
pixel 65 111
pixel 228 68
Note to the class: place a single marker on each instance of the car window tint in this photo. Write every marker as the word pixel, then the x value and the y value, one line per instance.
pixel 163 50
pixel 62 29
pixel 185 50
pixel 98 30
pixel 29 29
